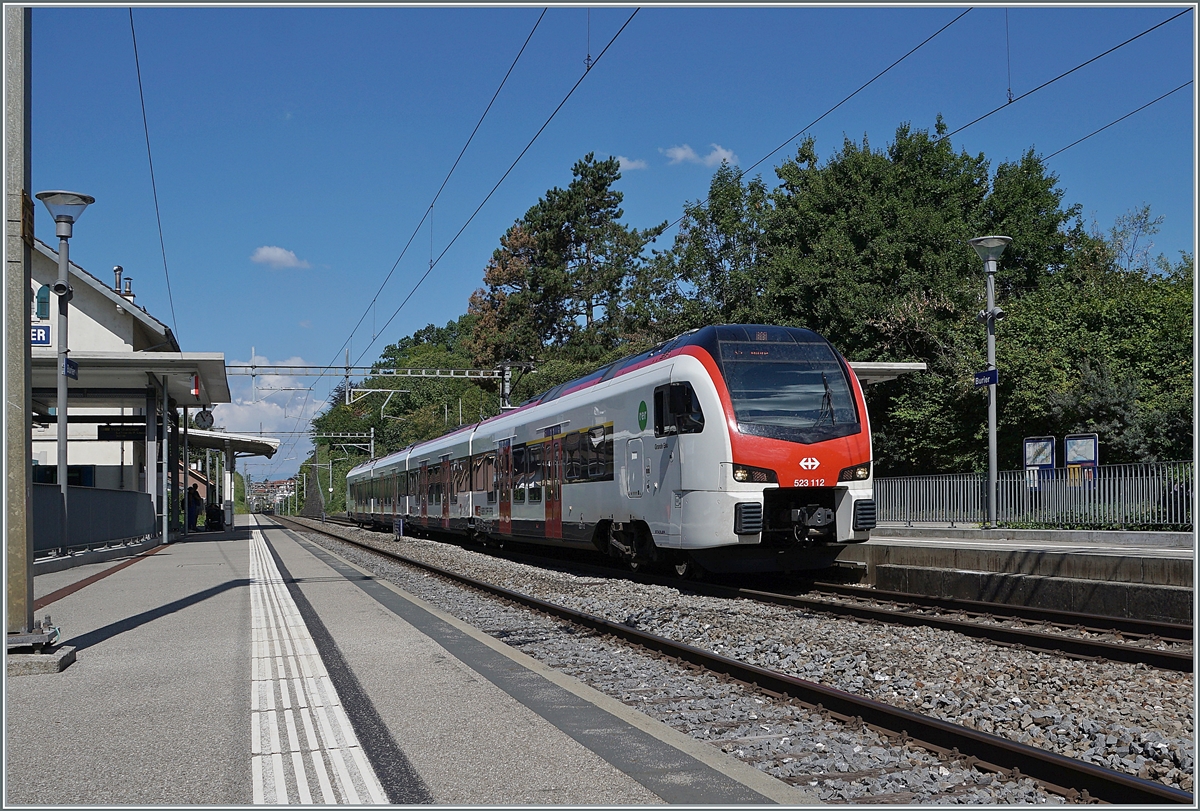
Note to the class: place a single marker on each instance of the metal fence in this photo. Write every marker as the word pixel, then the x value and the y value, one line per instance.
pixel 99 517
pixel 1143 495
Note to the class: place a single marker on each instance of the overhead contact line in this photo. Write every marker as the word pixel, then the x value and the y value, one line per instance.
pixel 153 186
pixel 1118 121
pixel 370 307
pixel 742 172
pixel 536 135
pixel 445 180
pixel 1063 75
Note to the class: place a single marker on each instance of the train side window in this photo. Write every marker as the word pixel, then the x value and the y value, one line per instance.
pixel 534 461
pixel 477 472
pixel 518 474
pixel 463 475
pixel 489 475
pixel 677 410
pixel 573 457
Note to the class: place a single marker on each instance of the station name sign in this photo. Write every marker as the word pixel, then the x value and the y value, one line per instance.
pixel 989 378
pixel 39 335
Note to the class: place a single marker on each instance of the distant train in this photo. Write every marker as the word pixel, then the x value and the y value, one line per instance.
pixel 734 448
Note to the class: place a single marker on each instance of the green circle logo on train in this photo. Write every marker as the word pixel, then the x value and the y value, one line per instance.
pixel 643 414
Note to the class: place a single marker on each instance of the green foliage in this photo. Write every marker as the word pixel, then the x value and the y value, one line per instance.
pixel 561 281
pixel 239 494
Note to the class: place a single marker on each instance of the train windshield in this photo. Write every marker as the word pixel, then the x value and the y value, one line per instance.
pixel 795 390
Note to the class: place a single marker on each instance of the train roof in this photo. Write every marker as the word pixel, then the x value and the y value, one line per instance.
pixel 704 337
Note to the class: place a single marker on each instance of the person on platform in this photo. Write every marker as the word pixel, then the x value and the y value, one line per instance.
pixel 195 503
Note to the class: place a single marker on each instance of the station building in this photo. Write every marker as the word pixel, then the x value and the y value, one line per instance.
pixel 131 451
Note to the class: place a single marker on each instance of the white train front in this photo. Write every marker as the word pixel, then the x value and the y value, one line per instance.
pixel 732 448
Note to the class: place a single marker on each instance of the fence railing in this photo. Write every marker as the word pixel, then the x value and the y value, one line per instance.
pixel 1143 495
pixel 98 517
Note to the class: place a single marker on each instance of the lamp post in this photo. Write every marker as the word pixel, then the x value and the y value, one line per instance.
pixel 65 207
pixel 989 250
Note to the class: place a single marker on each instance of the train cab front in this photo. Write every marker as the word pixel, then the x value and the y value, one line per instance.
pixel 800 478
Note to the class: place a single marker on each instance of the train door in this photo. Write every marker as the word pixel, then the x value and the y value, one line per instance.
pixel 664 487
pixel 447 482
pixel 634 459
pixel 423 486
pixel 504 474
pixel 553 487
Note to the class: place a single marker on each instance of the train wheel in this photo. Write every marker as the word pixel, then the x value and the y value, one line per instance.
pixel 688 569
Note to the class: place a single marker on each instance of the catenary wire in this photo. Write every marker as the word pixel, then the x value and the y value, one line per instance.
pixel 742 172
pixel 1118 121
pixel 1063 75
pixel 153 186
pixel 429 210
pixel 370 308
pixel 498 182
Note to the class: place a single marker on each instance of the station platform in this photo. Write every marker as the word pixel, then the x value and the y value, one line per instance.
pixel 1148 575
pixel 257 667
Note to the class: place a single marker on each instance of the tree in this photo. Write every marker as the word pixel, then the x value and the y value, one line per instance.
pixel 559 277
pixel 869 249
pixel 713 273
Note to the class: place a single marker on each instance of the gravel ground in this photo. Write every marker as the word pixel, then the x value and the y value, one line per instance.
pixel 1125 717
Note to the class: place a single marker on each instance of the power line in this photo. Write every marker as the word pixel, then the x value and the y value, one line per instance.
pixel 1118 121
pixel 742 172
pixel 1063 75
pixel 433 264
pixel 370 308
pixel 153 186
pixel 429 211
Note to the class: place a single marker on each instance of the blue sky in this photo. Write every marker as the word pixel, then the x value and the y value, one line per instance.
pixel 296 149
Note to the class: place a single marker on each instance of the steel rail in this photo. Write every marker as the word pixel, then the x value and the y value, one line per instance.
pixel 1037 640
pixel 1178 661
pixel 1067 776
pixel 1098 622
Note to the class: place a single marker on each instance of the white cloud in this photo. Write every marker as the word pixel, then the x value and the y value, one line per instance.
pixel 306 324
pixel 718 154
pixel 277 257
pixel 272 403
pixel 685 154
pixel 628 164
pixel 679 154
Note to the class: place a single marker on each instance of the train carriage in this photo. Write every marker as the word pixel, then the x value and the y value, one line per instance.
pixel 733 448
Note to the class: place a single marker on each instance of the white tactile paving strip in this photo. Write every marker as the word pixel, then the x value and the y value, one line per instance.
pixel 303 748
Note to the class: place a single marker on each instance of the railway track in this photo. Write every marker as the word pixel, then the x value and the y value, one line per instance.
pixel 1071 778
pixel 982 620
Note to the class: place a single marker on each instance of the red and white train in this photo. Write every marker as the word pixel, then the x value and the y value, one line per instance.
pixel 735 448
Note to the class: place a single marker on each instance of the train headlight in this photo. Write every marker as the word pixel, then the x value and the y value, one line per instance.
pixel 754 475
pixel 857 473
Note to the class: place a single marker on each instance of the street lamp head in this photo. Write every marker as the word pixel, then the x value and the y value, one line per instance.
pixel 65 207
pixel 989 248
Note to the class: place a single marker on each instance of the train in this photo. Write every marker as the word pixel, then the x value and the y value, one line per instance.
pixel 734 448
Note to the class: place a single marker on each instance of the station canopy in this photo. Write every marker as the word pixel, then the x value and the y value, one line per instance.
pixel 240 444
pixel 871 373
pixel 121 378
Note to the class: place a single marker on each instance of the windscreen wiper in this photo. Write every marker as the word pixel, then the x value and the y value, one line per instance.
pixel 826 403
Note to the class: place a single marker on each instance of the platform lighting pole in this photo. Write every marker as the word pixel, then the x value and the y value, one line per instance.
pixel 65 207
pixel 989 250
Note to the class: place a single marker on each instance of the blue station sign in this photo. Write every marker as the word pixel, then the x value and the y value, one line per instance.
pixel 989 378
pixel 70 368
pixel 39 335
